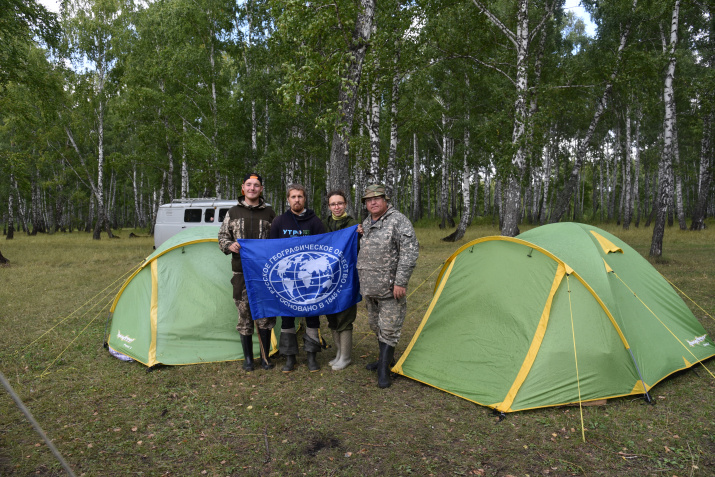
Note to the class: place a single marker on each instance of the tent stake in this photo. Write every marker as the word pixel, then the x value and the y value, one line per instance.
pixel 500 414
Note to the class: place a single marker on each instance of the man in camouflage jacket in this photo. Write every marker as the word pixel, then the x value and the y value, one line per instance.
pixel 250 219
pixel 388 255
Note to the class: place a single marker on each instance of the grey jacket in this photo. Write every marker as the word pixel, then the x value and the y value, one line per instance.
pixel 388 254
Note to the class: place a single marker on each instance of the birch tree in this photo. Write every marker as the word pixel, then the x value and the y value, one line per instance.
pixel 665 185
pixel 338 171
pixel 520 38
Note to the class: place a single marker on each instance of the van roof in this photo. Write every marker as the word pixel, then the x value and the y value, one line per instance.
pixel 200 202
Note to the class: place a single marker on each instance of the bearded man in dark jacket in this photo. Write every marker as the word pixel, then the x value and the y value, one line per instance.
pixel 250 219
pixel 298 221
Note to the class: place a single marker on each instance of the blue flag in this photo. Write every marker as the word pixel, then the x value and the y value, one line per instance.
pixel 301 276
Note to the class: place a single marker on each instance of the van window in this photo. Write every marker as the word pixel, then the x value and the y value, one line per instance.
pixel 221 214
pixel 192 215
pixel 209 215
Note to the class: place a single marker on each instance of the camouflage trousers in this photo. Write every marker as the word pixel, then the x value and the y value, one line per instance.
pixel 386 316
pixel 245 320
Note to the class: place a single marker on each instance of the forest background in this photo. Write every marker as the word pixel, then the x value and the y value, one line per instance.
pixel 506 110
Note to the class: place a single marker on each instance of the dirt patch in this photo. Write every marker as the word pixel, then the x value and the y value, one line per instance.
pixel 317 443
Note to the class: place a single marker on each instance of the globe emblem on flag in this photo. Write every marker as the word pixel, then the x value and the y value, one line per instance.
pixel 305 278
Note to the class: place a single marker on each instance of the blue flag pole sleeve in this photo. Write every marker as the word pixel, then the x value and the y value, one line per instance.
pixel 301 276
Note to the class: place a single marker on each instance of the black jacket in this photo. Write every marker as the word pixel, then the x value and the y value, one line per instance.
pixel 289 225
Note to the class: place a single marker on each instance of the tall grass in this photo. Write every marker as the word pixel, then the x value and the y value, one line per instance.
pixel 113 418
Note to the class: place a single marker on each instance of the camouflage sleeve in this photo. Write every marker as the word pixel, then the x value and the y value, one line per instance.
pixel 225 236
pixel 409 251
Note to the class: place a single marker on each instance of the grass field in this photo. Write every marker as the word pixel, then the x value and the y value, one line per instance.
pixel 110 418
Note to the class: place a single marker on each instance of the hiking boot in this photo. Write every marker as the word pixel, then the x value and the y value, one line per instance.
pixel 247 345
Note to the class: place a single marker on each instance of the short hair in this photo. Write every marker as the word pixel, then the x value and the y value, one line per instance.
pixel 296 187
pixel 339 192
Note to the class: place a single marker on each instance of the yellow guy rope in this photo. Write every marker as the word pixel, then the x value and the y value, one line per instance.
pixel 46 371
pixel 111 286
pixel 370 333
pixel 664 325
pixel 575 357
pixel 686 296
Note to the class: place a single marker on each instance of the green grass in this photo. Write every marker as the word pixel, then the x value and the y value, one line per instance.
pixel 112 418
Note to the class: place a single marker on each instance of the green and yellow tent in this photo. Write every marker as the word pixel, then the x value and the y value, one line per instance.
pixel 561 314
pixel 177 307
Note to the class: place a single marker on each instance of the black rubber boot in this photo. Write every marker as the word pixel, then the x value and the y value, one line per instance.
pixel 376 364
pixel 265 336
pixel 247 345
pixel 387 353
pixel 290 364
pixel 311 348
pixel 288 347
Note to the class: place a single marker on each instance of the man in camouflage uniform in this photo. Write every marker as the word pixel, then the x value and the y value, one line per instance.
pixel 250 219
pixel 388 255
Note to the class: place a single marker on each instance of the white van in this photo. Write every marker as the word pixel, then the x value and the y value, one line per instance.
pixel 184 213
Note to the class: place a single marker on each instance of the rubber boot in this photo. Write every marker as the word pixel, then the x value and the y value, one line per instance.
pixel 311 344
pixel 288 347
pixel 336 340
pixel 373 366
pixel 247 345
pixel 346 345
pixel 387 352
pixel 265 337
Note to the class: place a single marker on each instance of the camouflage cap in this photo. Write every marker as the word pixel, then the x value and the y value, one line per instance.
pixel 375 190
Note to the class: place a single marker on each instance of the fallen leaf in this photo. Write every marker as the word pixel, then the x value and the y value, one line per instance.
pixel 134 429
pixel 348 454
pixel 139 442
pixel 667 449
pixel 249 407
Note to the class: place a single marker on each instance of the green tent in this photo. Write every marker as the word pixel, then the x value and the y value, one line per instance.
pixel 177 307
pixel 563 313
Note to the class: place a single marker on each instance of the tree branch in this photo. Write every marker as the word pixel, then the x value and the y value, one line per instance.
pixel 508 33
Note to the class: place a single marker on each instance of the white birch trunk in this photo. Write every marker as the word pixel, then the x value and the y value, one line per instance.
pixel 339 170
pixel 704 175
pixel 563 199
pixel 415 179
pixel 665 186
pixel 635 200
pixel 466 218
pixel 10 211
pixel 627 197
pixel 374 132
pixel 677 174
pixel 392 158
